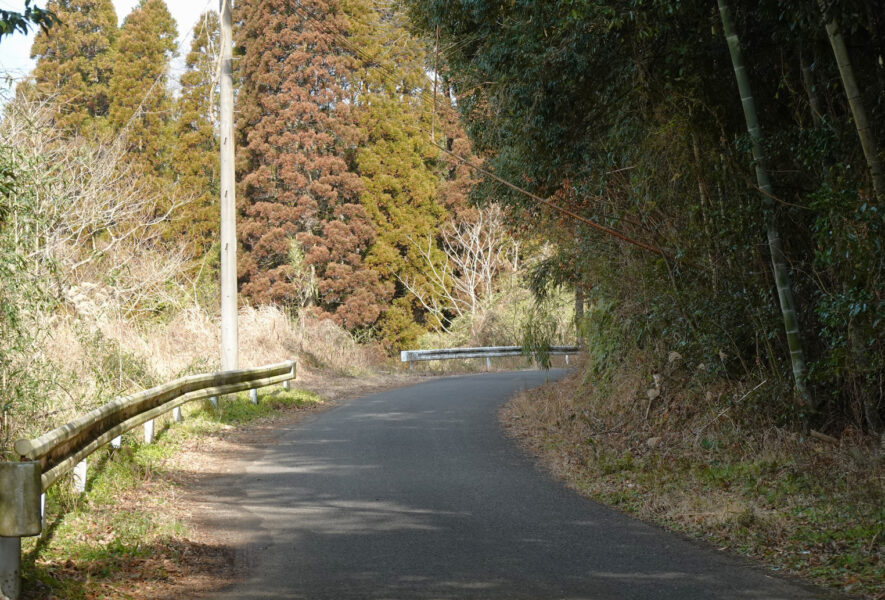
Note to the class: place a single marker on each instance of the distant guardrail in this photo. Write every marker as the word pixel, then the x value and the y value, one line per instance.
pixel 46 458
pixel 487 352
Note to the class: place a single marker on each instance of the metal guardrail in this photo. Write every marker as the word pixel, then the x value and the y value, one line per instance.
pixel 487 352
pixel 46 458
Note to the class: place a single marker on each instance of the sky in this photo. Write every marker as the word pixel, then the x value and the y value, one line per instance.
pixel 15 50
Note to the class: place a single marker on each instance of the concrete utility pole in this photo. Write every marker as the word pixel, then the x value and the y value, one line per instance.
pixel 229 345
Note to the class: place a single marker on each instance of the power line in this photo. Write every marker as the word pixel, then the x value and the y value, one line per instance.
pixel 369 62
pixel 556 207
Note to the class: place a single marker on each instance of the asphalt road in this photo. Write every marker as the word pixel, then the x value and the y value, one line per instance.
pixel 417 494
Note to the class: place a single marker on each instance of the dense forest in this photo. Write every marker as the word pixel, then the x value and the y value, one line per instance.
pixel 409 169
pixel 758 199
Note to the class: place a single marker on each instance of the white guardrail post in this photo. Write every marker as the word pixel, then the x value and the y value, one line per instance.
pixel 79 476
pixel 288 381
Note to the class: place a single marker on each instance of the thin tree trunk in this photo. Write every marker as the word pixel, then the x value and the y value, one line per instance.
pixel 705 201
pixel 579 311
pixel 778 261
pixel 855 102
pixel 810 89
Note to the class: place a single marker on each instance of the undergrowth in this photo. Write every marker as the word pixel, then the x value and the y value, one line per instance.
pixel 126 533
pixel 684 451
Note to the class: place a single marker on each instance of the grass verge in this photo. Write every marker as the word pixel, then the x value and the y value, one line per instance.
pixel 801 505
pixel 126 537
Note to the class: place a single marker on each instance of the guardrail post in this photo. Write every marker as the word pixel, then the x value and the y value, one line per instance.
pixel 80 476
pixel 488 363
pixel 19 517
pixel 288 382
pixel 117 441
pixel 214 401
pixel 253 396
pixel 10 567
pixel 149 432
pixel 176 414
pixel 566 360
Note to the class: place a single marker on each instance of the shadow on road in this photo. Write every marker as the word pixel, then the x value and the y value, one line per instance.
pixel 415 493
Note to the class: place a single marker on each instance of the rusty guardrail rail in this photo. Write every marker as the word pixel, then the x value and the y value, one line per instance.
pixel 487 352
pixel 46 458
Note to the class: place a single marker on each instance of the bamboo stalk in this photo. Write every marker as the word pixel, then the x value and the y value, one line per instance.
pixel 778 260
pixel 855 102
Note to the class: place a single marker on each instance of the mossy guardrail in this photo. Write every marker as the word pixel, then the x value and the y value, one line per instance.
pixel 46 458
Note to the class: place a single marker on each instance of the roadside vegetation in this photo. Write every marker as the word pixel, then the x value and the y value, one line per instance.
pixel 676 446
pixel 618 134
pixel 709 176
pixel 130 535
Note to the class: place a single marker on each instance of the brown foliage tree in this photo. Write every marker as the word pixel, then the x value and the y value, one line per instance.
pixel 299 191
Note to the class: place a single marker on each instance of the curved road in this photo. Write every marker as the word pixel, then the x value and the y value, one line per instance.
pixel 416 494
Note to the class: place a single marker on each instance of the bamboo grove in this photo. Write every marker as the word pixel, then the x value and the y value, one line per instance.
pixel 744 140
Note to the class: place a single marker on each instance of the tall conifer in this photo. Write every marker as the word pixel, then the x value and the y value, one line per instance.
pixel 196 142
pixel 300 195
pixel 74 62
pixel 140 102
pixel 397 163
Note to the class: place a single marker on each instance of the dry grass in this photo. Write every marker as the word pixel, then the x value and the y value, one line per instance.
pixel 96 354
pixel 326 346
pixel 691 457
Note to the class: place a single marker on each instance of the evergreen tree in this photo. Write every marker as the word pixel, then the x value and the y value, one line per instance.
pixel 298 133
pixel 74 62
pixel 196 149
pixel 397 164
pixel 140 102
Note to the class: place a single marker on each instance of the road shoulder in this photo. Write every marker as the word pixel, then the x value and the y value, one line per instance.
pixel 768 506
